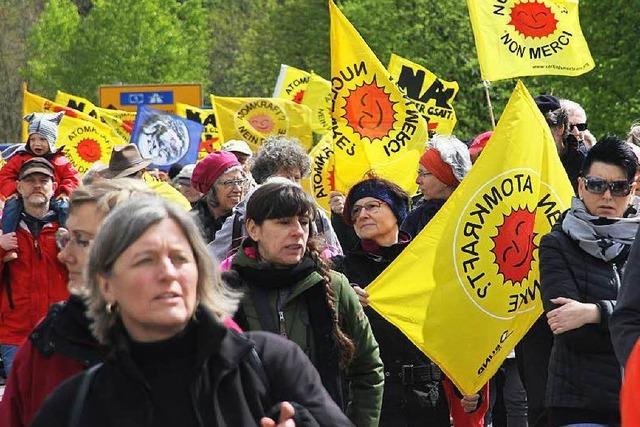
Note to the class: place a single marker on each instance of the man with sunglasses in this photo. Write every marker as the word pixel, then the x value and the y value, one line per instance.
pixel 36 279
pixel 577 118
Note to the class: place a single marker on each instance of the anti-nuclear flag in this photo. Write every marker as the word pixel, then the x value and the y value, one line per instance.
pixel 291 84
pixel 254 119
pixel 528 38
pixel 433 97
pixel 318 98
pixel 320 182
pixel 120 121
pixel 85 140
pixel 375 127
pixel 166 138
pixel 467 288
pixel 210 140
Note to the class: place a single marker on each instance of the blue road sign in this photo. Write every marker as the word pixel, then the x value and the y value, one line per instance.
pixel 150 98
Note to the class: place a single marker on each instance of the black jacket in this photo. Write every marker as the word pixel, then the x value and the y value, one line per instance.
pixel 583 370
pixel 208 225
pixel 625 321
pixel 402 404
pixel 419 217
pixel 231 388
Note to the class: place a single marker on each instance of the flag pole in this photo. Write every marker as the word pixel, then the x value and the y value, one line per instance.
pixel 486 84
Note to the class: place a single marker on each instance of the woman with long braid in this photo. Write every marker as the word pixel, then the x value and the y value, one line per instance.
pixel 290 290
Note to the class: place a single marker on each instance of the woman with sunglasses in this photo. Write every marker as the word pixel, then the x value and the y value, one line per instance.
pixel 581 262
pixel 62 344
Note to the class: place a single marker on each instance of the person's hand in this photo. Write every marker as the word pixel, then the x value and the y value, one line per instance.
pixel 363 296
pixel 571 315
pixel 470 402
pixel 286 417
pixel 9 241
pixel 63 197
pixel 13 196
pixel 336 202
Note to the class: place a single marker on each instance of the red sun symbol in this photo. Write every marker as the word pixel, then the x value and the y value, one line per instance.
pixel 533 19
pixel 514 246
pixel 89 150
pixel 298 97
pixel 369 111
pixel 262 122
pixel 332 178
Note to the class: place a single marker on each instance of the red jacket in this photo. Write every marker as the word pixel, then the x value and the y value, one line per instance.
pixel 630 394
pixel 36 279
pixel 66 176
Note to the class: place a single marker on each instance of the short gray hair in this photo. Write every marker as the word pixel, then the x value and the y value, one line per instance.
pixel 279 152
pixel 125 225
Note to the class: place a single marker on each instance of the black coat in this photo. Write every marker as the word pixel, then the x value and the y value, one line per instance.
pixel 625 321
pixel 419 217
pixel 583 370
pixel 402 405
pixel 230 387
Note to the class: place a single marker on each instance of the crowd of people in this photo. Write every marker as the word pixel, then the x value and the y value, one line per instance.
pixel 221 294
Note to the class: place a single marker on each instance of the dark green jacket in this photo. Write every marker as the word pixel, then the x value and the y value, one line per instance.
pixel 365 374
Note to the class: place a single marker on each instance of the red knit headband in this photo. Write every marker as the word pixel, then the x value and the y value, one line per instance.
pixel 432 161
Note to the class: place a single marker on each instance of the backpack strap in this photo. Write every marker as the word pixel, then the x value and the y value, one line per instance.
pixel 81 396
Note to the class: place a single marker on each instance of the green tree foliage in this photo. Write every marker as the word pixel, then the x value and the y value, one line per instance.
pixel 235 48
pixel 119 41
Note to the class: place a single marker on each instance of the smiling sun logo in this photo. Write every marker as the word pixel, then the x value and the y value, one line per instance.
pixel 369 111
pixel 534 19
pixel 514 245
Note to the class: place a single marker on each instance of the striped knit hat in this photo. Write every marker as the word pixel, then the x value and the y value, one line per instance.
pixel 46 125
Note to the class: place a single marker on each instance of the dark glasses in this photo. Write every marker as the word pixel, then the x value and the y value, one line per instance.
pixel 599 186
pixel 580 126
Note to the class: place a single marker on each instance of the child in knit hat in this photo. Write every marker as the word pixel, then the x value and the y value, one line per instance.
pixel 43 133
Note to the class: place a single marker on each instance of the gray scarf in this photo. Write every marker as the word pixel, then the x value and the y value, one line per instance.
pixel 603 238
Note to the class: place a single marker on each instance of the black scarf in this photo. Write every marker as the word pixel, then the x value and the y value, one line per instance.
pixel 266 276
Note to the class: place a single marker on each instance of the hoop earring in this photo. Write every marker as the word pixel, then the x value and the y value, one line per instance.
pixel 111 307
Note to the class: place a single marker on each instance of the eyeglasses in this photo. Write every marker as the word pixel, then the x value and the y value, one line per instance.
pixel 232 182
pixel 371 207
pixel 580 126
pixel 64 237
pixel 599 186
pixel 422 174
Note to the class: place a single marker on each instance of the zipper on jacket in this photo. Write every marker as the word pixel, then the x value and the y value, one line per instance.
pixel 617 276
pixel 282 325
pixel 37 248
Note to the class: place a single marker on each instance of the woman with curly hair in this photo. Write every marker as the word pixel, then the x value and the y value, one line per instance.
pixel 291 291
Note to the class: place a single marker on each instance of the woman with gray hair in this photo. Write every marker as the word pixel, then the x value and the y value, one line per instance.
pixel 279 156
pixel 440 169
pixel 156 300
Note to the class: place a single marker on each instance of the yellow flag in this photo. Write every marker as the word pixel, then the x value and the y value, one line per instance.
pixel 291 84
pixel 77 103
pixel 529 38
pixel 318 98
pixel 320 182
pixel 467 288
pixel 210 139
pixel 254 119
pixel 375 127
pixel 85 140
pixel 433 97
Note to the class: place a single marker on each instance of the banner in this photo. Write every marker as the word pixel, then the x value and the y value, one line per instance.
pixel 77 103
pixel 210 140
pixel 433 97
pixel 291 84
pixel 318 99
pixel 165 138
pixel 320 182
pixel 85 140
pixel 254 119
pixel 528 38
pixel 473 273
pixel 375 127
